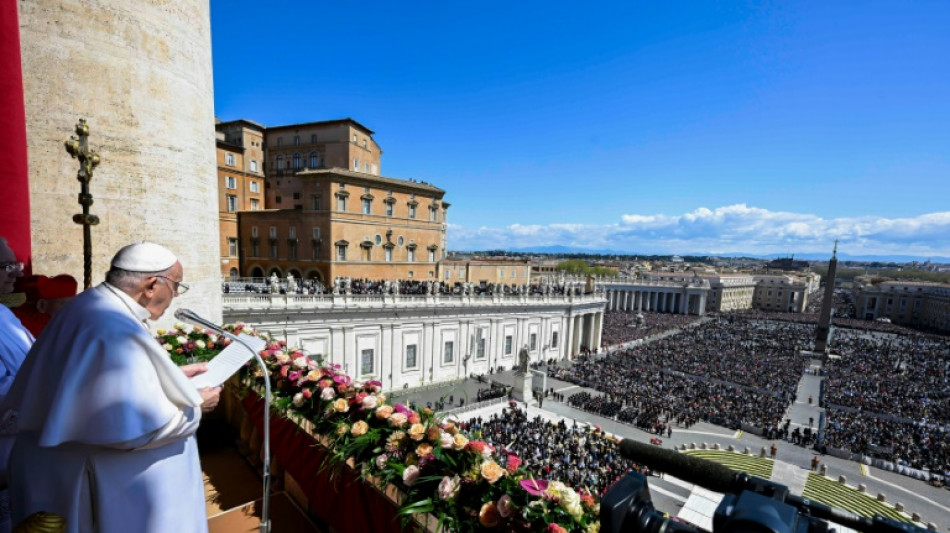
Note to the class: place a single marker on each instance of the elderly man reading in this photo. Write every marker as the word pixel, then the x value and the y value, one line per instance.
pixel 106 421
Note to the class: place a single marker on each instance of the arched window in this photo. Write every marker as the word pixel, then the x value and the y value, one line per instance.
pixel 314 159
pixel 296 161
pixel 233 273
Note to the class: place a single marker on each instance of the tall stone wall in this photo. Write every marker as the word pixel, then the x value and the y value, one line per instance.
pixel 139 71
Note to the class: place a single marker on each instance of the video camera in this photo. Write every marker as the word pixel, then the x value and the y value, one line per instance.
pixel 750 505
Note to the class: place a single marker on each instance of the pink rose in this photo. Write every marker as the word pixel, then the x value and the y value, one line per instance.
pixel 327 394
pixel 513 463
pixel 554 528
pixel 307 393
pixel 410 475
pixel 414 418
pixel 397 420
pixel 504 506
pixel 449 487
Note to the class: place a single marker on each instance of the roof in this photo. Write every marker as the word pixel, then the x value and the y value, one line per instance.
pixel 220 123
pixel 323 123
pixel 329 172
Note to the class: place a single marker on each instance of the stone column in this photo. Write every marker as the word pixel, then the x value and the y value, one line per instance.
pixel 598 328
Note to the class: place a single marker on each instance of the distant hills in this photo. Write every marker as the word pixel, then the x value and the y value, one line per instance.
pixel 572 250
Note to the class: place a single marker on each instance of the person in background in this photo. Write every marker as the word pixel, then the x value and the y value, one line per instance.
pixel 44 297
pixel 15 342
pixel 106 421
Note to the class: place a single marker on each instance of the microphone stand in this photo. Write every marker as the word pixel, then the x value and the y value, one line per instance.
pixel 190 316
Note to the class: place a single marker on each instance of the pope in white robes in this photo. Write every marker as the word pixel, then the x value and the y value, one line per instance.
pixel 106 421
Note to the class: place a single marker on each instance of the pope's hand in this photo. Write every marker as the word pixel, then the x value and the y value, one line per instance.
pixel 194 369
pixel 210 397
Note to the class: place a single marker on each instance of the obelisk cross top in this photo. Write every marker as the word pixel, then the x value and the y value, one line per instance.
pixel 88 160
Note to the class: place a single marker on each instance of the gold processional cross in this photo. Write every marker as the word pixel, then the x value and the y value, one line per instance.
pixel 88 160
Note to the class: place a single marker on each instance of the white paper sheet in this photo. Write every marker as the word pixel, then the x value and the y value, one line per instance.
pixel 229 361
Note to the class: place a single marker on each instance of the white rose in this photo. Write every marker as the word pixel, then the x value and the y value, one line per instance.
pixel 181 339
pixel 200 344
pixel 180 325
pixel 298 399
pixel 283 358
pixel 327 394
pixel 369 402
pixel 446 440
pixel 168 347
pixel 301 362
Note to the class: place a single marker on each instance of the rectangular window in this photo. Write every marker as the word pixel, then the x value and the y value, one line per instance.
pixel 411 356
pixel 554 340
pixel 508 342
pixel 315 251
pixel 389 209
pixel 292 232
pixel 255 249
pixel 341 252
pixel 255 204
pixel 356 164
pixel 232 203
pixel 461 273
pixel 412 255
pixel 366 168
pixel 366 361
pixel 389 254
pixel 341 203
pixel 412 211
pixel 273 232
pixel 229 159
pixel 501 273
pixel 230 182
pixel 232 246
pixel 254 186
pixel 432 256
pixel 447 354
pixel 432 214
pixel 296 140
pixel 480 346
pixel 366 206
pixel 534 341
pixel 253 231
pixel 448 274
pixel 253 165
pixel 292 250
pixel 273 250
pixel 315 233
pixel 313 138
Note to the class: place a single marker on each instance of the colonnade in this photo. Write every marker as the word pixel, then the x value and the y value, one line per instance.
pixel 585 330
pixel 676 300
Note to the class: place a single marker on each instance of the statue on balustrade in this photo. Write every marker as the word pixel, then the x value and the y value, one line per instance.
pixel 523 357
pixel 291 284
pixel 274 283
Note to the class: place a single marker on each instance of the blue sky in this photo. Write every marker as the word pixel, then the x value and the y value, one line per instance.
pixel 647 127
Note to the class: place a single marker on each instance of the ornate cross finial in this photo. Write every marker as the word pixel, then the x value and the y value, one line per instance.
pixel 88 160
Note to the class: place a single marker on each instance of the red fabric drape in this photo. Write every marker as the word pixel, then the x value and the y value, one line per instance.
pixel 346 503
pixel 14 180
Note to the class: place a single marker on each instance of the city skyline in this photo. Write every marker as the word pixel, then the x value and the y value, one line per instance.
pixel 644 128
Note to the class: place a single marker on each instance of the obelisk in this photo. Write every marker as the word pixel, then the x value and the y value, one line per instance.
pixel 823 331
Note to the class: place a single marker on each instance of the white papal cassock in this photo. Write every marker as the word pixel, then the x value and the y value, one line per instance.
pixel 106 424
pixel 15 341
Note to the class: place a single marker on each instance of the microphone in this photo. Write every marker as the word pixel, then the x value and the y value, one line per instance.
pixel 187 315
pixel 708 474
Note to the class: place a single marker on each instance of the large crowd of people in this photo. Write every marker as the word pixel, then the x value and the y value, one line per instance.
pixel 624 326
pixel 576 455
pixel 366 286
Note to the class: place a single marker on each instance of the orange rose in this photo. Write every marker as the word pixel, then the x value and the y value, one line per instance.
pixel 450 428
pixel 384 412
pixel 492 471
pixel 488 515
pixel 341 405
pixel 417 431
pixel 423 450
pixel 460 442
pixel 434 434
pixel 360 428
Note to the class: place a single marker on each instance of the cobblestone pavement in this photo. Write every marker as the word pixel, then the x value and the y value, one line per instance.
pixel 932 503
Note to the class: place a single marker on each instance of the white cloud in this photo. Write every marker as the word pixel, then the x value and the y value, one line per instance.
pixel 729 229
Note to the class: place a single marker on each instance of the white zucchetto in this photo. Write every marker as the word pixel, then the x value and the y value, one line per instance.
pixel 144 257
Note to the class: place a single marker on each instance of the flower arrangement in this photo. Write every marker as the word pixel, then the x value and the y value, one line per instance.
pixel 196 345
pixel 466 484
